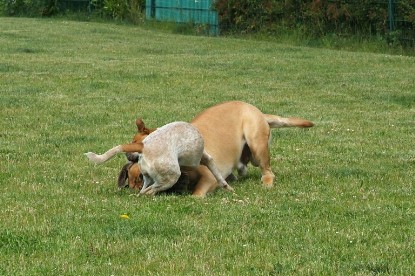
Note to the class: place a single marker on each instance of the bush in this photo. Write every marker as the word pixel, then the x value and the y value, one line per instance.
pixel 29 8
pixel 122 10
pixel 316 18
pixel 248 15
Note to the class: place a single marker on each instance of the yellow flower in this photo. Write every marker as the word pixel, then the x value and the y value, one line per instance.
pixel 124 216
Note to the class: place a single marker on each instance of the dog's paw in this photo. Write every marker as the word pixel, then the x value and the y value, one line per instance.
pixel 242 169
pixel 231 178
pixel 228 188
pixel 95 158
pixel 268 180
pixel 148 191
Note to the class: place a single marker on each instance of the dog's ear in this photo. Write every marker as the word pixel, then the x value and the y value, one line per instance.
pixel 122 177
pixel 141 127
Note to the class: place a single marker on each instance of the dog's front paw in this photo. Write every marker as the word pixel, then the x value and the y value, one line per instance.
pixel 242 169
pixel 95 158
pixel 228 188
pixel 148 191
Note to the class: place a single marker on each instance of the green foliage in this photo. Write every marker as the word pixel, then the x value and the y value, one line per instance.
pixel 121 10
pixel 248 15
pixel 31 8
pixel 314 18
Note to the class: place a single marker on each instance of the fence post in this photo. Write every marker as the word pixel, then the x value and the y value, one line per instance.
pixel 391 15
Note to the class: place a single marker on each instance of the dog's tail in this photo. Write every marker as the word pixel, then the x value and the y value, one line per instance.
pixel 275 121
pixel 101 158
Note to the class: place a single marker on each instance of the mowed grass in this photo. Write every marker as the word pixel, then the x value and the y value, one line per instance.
pixel 343 200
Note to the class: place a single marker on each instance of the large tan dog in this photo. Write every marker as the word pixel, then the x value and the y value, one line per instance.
pixel 235 133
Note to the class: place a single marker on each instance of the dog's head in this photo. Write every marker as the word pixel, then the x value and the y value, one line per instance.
pixel 131 170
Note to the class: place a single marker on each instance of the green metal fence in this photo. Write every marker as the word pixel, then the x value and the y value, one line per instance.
pixel 399 23
pixel 184 11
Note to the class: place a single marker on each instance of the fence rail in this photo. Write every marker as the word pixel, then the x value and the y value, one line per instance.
pixel 184 11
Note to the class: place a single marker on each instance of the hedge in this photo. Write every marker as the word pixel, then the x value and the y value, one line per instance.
pixel 317 17
pixel 123 10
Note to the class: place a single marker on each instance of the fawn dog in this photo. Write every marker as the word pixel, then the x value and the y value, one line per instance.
pixel 235 133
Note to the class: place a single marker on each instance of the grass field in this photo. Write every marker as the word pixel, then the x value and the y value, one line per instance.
pixel 343 201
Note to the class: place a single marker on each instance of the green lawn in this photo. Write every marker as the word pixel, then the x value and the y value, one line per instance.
pixel 343 201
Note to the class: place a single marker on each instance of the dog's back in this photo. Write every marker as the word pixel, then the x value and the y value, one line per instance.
pixel 177 140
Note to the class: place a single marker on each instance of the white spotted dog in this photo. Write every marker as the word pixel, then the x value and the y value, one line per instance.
pixel 165 153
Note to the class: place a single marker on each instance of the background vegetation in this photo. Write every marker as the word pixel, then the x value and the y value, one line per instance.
pixel 316 20
pixel 120 10
pixel 315 17
pixel 343 201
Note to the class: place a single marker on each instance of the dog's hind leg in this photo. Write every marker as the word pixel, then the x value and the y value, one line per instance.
pixel 208 161
pixel 261 155
pixel 258 143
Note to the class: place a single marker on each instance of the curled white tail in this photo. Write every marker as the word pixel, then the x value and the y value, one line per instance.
pixel 101 158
